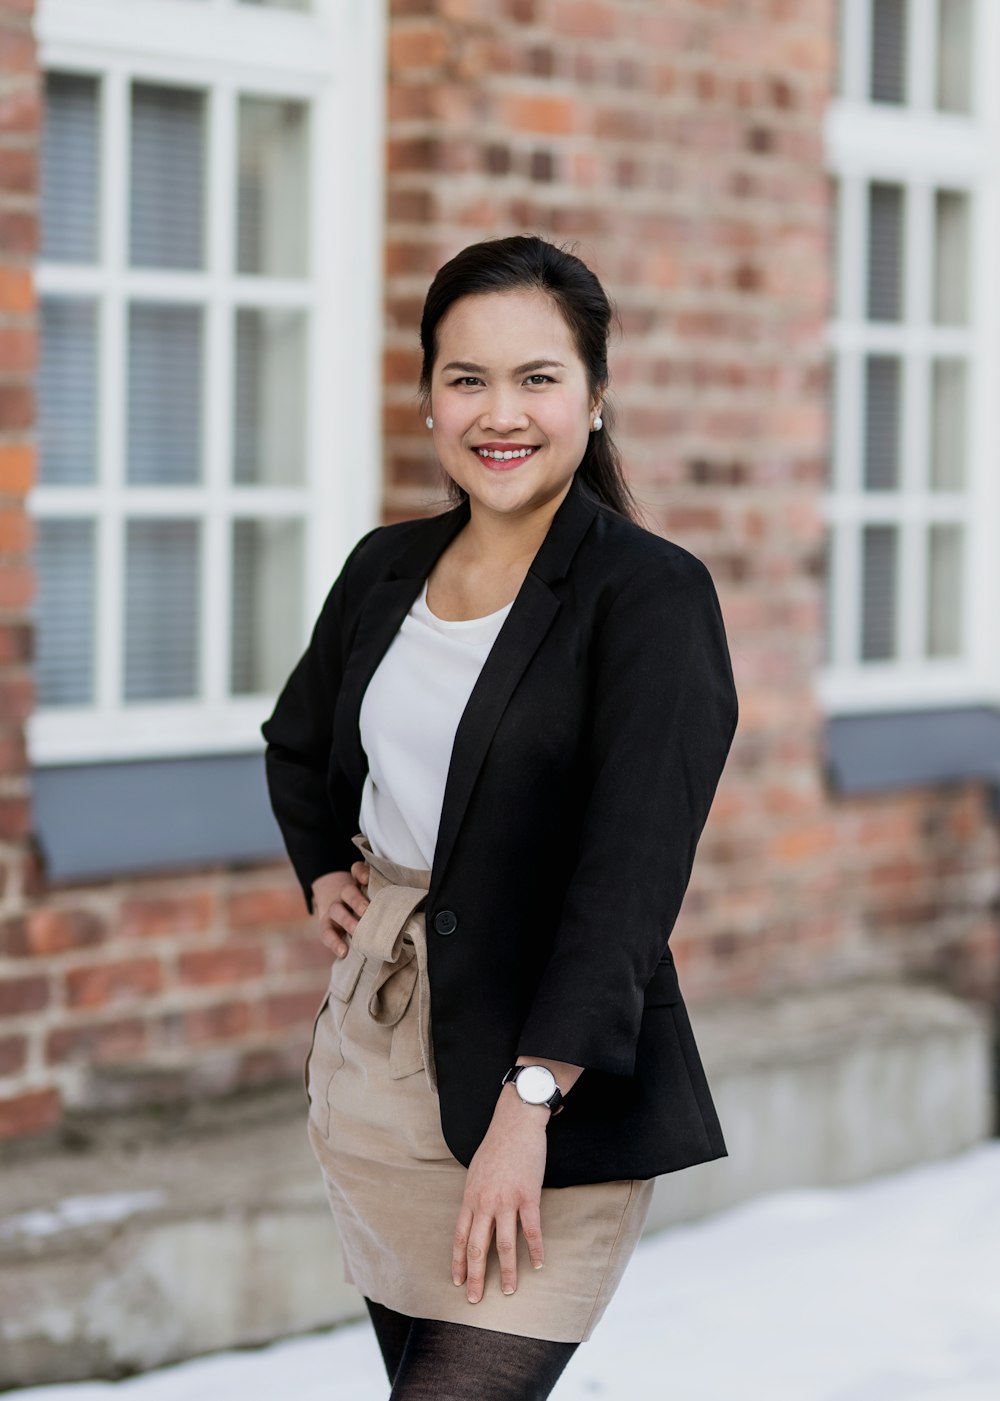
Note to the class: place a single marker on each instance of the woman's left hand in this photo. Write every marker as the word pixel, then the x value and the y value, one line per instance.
pixel 504 1182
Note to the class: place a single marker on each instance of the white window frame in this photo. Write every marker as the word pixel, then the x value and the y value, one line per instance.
pixel 922 149
pixel 332 57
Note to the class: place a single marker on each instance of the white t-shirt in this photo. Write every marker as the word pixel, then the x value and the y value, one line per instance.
pixel 409 714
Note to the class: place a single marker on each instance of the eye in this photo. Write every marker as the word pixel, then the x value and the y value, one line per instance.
pixel 541 376
pixel 463 379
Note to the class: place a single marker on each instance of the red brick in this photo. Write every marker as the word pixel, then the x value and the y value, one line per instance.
pixel 13 1054
pixel 98 1043
pixel 17 586
pixel 51 930
pixel 20 108
pixel 98 984
pixel 224 1021
pixel 291 1009
pixel 547 115
pixel 264 907
pixel 17 50
pixel 18 170
pixel 18 235
pixel 19 996
pixel 159 916
pixel 17 461
pixel 17 289
pixel 425 46
pixel 30 1113
pixel 16 643
pixel 17 698
pixel 16 532
pixel 228 964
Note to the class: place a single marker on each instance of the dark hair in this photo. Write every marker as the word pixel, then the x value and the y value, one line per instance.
pixel 532 263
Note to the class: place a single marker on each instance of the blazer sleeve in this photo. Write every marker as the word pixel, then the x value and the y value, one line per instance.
pixel 299 735
pixel 664 716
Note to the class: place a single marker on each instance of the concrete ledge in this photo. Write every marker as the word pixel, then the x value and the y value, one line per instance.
pixel 163 1236
pixel 831 1087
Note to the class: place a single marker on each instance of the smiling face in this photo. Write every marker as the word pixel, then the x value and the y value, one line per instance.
pixel 509 397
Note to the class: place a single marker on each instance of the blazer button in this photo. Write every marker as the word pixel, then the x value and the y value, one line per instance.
pixel 445 922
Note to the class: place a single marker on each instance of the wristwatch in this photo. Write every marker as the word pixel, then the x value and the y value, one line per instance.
pixel 536 1085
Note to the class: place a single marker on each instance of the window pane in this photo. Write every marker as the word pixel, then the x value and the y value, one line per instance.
pixel 164 394
pixel 889 50
pixel 885 252
pixel 883 392
pixel 273 215
pixel 162 609
pixel 951 260
pixel 948 425
pixel 954 75
pixel 270 406
pixel 65 612
pixel 70 161
pixel 267 603
pixel 168 177
pixel 944 594
pixel 67 391
pixel 878 592
pixel 280 4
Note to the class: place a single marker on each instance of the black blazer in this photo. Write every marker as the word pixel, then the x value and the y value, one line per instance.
pixel 582 773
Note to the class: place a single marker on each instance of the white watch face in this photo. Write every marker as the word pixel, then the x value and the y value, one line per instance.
pixel 536 1084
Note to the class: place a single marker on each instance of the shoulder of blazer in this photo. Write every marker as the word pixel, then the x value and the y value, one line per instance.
pixel 630 554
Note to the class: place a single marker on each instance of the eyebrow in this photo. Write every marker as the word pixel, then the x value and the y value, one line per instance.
pixel 518 369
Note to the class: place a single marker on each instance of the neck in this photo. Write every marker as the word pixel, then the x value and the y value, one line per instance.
pixel 508 539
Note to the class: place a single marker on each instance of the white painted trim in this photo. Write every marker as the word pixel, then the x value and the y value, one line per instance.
pixel 333 58
pixel 922 150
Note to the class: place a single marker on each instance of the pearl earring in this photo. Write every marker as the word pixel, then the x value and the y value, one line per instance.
pixel 598 422
pixel 429 421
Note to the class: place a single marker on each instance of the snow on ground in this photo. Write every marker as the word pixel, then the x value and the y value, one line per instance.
pixel 888 1290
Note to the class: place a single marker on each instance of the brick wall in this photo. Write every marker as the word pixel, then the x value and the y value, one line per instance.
pixel 681 147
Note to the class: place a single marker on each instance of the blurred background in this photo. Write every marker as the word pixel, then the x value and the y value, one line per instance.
pixel 218 221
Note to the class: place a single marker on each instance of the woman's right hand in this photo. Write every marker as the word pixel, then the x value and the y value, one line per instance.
pixel 340 902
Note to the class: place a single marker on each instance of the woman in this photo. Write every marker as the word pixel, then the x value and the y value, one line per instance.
pixel 524 704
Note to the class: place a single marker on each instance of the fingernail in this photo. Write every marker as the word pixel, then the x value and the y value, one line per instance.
pixel 508 1289
pixel 539 1264
pixel 455 1280
pixel 473 1298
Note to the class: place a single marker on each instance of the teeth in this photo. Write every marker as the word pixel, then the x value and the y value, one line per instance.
pixel 505 456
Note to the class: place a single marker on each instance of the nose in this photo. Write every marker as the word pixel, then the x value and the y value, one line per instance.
pixel 503 413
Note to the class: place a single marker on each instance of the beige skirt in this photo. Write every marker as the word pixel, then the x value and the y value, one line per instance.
pixel 394 1186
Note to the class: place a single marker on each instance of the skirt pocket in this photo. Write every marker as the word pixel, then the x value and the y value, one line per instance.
pixel 326 1055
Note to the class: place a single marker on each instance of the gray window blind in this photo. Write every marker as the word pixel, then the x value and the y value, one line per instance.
pixel 70 169
pixel 65 612
pixel 879 549
pixel 165 374
pixel 167 205
pixel 883 390
pixel 162 609
pixel 885 252
pixel 888 72
pixel 67 391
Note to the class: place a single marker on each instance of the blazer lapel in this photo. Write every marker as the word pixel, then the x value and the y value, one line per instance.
pixel 531 615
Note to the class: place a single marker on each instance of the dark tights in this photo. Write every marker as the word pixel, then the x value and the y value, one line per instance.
pixel 429 1360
